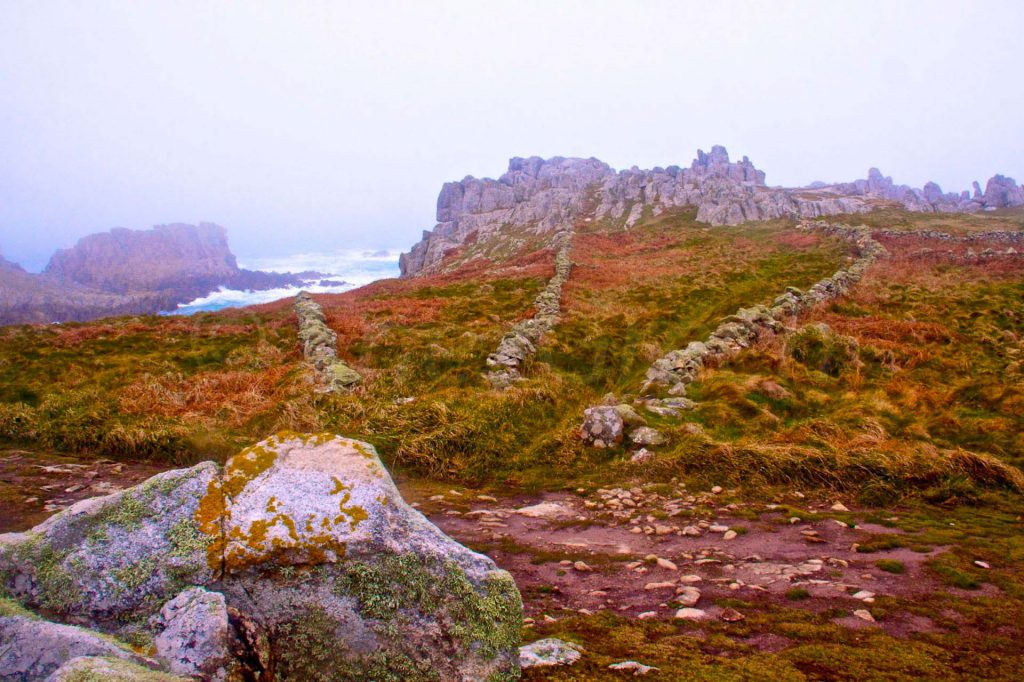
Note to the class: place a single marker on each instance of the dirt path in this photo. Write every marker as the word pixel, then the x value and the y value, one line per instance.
pixel 642 552
pixel 637 552
pixel 34 485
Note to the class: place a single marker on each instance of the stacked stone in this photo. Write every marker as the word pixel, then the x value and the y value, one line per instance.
pixel 679 368
pixel 520 342
pixel 319 346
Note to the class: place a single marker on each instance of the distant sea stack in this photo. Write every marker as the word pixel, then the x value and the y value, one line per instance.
pixel 166 257
pixel 542 195
pixel 129 272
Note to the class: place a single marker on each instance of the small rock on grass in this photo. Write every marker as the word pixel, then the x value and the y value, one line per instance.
pixel 687 595
pixel 729 535
pixel 582 567
pixel 732 616
pixel 549 652
pixel 982 564
pixel 632 666
pixel 665 563
pixel 839 507
pixel 864 614
pixel 691 614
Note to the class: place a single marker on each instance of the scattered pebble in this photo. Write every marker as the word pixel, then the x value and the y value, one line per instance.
pixel 691 614
pixel 659 586
pixel 688 596
pixel 636 668
pixel 582 567
pixel 864 614
pixel 665 563
pixel 982 564
pixel 839 507
pixel 731 616
pixel 729 535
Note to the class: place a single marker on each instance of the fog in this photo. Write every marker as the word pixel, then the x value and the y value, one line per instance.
pixel 305 126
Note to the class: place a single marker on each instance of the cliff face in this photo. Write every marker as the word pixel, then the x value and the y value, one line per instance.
pixel 128 272
pixel 544 194
pixel 165 257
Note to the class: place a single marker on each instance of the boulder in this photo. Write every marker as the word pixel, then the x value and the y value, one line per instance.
pixel 602 426
pixel 320 550
pixel 195 635
pixel 322 572
pixel 31 649
pixel 111 561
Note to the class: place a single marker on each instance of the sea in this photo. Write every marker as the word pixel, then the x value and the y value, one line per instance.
pixel 343 270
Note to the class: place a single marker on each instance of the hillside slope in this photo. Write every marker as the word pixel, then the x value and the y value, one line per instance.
pixel 840 499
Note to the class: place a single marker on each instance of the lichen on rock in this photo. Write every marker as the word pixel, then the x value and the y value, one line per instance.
pixel 298 561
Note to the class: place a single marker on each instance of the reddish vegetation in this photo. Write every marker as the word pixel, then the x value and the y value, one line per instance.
pixel 796 240
pixel 232 396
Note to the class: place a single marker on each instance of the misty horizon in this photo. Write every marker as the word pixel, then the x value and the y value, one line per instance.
pixel 323 127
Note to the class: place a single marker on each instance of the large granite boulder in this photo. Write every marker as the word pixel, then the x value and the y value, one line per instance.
pixel 320 549
pixel 298 561
pixel 111 561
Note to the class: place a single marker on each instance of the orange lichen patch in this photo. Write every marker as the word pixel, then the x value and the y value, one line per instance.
pixel 358 447
pixel 209 516
pixel 247 465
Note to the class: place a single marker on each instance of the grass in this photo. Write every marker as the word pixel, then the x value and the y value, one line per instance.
pixel 911 405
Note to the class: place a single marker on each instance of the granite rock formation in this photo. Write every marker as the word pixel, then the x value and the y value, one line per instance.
pixel 297 560
pixel 547 195
pixel 124 272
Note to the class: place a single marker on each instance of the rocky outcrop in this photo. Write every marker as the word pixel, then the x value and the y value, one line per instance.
pixel 545 195
pixel 38 299
pixel 298 560
pixel 319 346
pixel 129 272
pixel 166 257
pixel 521 341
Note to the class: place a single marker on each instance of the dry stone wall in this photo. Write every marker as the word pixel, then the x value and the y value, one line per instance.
pixel 676 370
pixel 319 346
pixel 521 341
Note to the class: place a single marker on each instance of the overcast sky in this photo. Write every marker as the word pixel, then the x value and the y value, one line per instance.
pixel 307 126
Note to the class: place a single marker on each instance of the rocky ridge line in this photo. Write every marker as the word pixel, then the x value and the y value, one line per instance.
pixel 542 195
pixel 319 346
pixel 604 425
pixel 521 341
